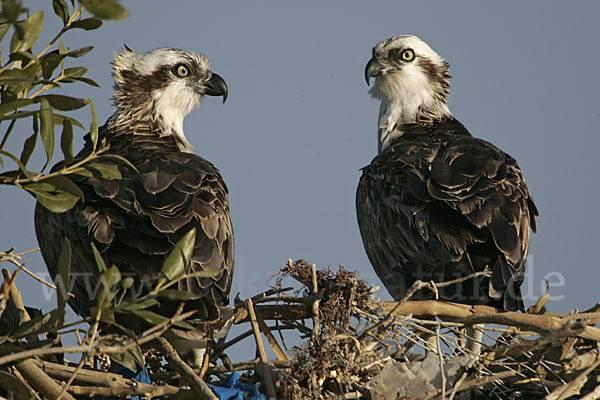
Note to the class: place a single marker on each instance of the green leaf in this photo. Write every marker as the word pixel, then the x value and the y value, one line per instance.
pixel 41 187
pixel 31 27
pixel 63 184
pixel 75 72
pixel 12 75
pixel 60 119
pixel 119 159
pixel 89 81
pixel 93 125
pixel 22 168
pixel 127 283
pixel 99 260
pixel 5 108
pixel 47 128
pixel 150 316
pixel 61 9
pixel 50 62
pixel 24 56
pixel 139 305
pixel 56 203
pixel 83 172
pixel 63 279
pixel 107 291
pixel 108 316
pixel 172 294
pixel 80 52
pixel 17 80
pixel 29 144
pixel 64 103
pixel 183 324
pixel 107 171
pixel 88 24
pixel 179 258
pixel 11 10
pixel 66 141
pixel 61 47
pixel 18 115
pixel 105 9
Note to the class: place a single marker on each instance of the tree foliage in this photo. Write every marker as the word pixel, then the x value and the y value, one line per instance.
pixel 35 102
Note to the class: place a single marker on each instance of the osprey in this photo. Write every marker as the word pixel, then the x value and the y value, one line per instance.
pixel 437 204
pixel 135 221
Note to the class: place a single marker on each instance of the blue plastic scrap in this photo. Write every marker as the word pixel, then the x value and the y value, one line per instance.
pixel 232 389
pixel 229 389
pixel 141 375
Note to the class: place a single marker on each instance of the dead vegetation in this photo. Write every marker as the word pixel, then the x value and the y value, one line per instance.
pixel 353 346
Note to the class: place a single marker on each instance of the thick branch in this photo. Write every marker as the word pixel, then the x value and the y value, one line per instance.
pixel 40 381
pixel 186 371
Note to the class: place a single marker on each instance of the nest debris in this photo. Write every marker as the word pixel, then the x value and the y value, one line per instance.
pixel 358 347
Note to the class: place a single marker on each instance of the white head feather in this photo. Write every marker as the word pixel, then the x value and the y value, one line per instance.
pixel 410 91
pixel 145 88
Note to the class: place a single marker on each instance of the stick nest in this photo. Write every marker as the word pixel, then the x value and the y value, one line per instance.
pixel 355 346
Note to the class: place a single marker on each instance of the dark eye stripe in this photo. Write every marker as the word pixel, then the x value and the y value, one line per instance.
pixel 405 55
pixel 181 70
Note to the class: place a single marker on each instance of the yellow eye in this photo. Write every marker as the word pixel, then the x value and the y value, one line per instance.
pixel 181 70
pixel 408 55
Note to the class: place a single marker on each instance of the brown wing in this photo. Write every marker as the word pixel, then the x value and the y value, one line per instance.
pixel 439 206
pixel 135 221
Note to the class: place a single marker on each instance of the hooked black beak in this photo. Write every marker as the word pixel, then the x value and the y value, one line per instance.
pixel 216 86
pixel 372 69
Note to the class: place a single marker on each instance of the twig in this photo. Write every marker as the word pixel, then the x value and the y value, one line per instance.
pixel 270 338
pixel 169 391
pixel 186 371
pixel 593 395
pixel 537 308
pixel 6 288
pixel 12 258
pixel 262 368
pixel 470 315
pixel 582 361
pixel 462 377
pixel 315 304
pixel 441 358
pixel 256 330
pixel 259 298
pixel 477 382
pixel 72 377
pixel 351 292
pixel 573 387
pixel 96 349
pixel 219 369
pixel 40 381
pixel 417 285
pixel 246 365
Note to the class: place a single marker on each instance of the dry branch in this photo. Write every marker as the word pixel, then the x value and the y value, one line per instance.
pixel 353 340
pixel 186 371
pixel 40 381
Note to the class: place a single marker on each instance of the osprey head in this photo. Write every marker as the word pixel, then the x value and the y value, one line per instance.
pixel 163 86
pixel 411 80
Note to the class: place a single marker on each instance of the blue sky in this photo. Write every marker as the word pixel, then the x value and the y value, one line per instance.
pixel 299 123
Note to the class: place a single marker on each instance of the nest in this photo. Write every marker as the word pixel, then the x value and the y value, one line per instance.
pixel 357 347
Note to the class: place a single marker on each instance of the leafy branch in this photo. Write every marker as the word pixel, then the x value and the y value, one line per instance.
pixel 26 77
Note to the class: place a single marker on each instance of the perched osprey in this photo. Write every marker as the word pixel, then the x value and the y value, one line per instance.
pixel 436 203
pixel 135 221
